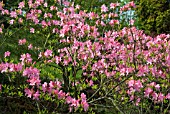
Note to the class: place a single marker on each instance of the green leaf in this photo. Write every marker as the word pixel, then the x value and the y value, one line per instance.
pixel 79 74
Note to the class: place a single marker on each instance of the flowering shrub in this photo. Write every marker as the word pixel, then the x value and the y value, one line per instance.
pixel 87 61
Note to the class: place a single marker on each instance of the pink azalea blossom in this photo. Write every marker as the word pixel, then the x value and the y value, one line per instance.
pixel 36 95
pixel 45 4
pixel 32 30
pixel 33 81
pixel 28 92
pixel 69 99
pixel 13 14
pixel 132 22
pixel 137 101
pixel 0 87
pixel 7 54
pixel 30 47
pixel 20 20
pixel 155 96
pixel 91 83
pixel 26 58
pixel 22 41
pixel 75 103
pixel 18 67
pixel 83 97
pixel 168 96
pixel 11 22
pixel 21 5
pixel 31 72
pixel 48 53
pixel 44 87
pixel 104 8
pixel 57 59
pixel 161 97
pixel 114 5
pixel 0 30
pixel 61 94
pixel 85 105
pixel 148 91
pixel 157 86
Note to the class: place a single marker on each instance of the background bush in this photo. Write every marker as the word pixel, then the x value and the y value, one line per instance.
pixel 154 16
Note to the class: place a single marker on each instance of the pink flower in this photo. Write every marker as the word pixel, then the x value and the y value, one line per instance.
pixel 91 83
pixel 85 105
pixel 4 67
pixel 5 12
pixel 19 12
pixel 26 58
pixel 66 61
pixel 7 54
pixel 30 4
pixel 66 3
pixel 132 97
pixel 30 46
pixel 58 84
pixel 40 55
pixel 168 96
pixel 31 72
pixel 36 95
pixel 161 97
pixel 44 87
pixel 51 84
pixel 102 23
pixel 32 30
pixel 20 20
pixel 48 53
pixel 0 30
pixel 168 59
pixel 52 8
pixel 138 85
pixel 45 4
pixel 69 99
pixel 57 59
pixel 11 22
pixel 0 87
pixel 83 97
pixel 152 84
pixel 75 103
pixel 61 94
pixel 137 101
pixel 113 5
pixel 113 22
pixel 132 22
pixel 132 4
pixel 104 8
pixel 22 41
pixel 28 92
pixel 148 92
pixel 21 5
pixel 155 96
pixel 131 83
pixel 157 87
pixel 34 80
pixel 18 67
pixel 13 14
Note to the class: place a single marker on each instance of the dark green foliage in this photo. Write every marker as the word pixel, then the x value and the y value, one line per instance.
pixel 154 16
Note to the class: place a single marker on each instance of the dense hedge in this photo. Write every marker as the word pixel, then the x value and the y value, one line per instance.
pixel 154 16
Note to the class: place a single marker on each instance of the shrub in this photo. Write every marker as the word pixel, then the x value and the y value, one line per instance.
pixel 89 62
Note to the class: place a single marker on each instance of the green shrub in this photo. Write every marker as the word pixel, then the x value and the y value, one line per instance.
pixel 154 16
